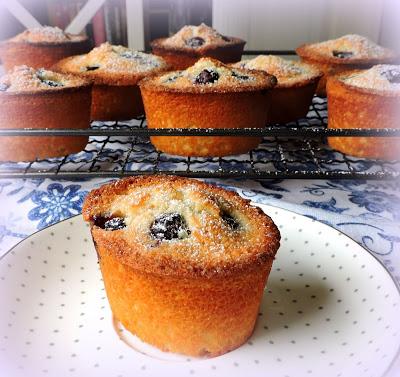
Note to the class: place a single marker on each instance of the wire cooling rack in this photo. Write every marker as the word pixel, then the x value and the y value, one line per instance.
pixel 294 150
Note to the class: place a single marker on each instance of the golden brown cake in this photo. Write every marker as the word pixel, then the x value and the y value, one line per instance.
pixel 343 54
pixel 292 95
pixel 184 263
pixel 207 95
pixel 365 99
pixel 191 43
pixel 31 98
pixel 115 71
pixel 41 47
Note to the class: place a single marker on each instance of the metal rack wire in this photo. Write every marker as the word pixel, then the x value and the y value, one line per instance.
pixel 294 150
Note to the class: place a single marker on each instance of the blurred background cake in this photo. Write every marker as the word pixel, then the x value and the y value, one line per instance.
pixel 39 98
pixel 365 99
pixel 115 72
pixel 295 88
pixel 41 47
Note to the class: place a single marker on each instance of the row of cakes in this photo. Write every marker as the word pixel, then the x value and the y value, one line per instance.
pixel 194 79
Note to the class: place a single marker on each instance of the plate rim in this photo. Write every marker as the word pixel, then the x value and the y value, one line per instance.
pixel 396 357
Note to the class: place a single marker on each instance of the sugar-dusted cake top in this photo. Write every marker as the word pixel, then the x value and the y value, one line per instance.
pixel 208 75
pixel 180 226
pixel 195 37
pixel 46 34
pixel 108 61
pixel 383 77
pixel 287 72
pixel 350 47
pixel 26 79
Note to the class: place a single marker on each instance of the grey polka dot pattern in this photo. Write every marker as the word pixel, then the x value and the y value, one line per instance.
pixel 329 309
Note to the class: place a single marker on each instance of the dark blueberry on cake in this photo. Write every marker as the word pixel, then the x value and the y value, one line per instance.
pixel 195 42
pixel 392 75
pixel 52 83
pixel 92 67
pixel 206 76
pixel 342 54
pixel 230 221
pixel 173 78
pixel 109 222
pixel 41 75
pixel 239 76
pixel 3 87
pixel 131 55
pixel 169 226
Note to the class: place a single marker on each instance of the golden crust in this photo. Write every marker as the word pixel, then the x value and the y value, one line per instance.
pixel 115 65
pixel 105 78
pixel 200 255
pixel 27 80
pixel 355 107
pixel 263 80
pixel 201 51
pixel 289 73
pixel 306 51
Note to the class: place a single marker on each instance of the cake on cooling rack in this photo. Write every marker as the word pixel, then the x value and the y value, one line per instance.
pixel 184 263
pixel 346 53
pixel 365 99
pixel 207 95
pixel 41 47
pixel 190 43
pixel 115 71
pixel 292 95
pixel 39 98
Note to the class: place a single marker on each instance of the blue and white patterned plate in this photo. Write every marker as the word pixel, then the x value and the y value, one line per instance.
pixel 329 309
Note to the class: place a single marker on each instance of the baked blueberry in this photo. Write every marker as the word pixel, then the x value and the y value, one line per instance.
pixel 92 67
pixel 109 222
pixel 41 75
pixel 392 75
pixel 206 76
pixel 342 54
pixel 52 83
pixel 3 87
pixel 131 55
pixel 172 78
pixel 239 76
pixel 169 226
pixel 230 220
pixel 195 42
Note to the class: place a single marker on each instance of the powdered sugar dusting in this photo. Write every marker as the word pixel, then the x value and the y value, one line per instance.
pixel 46 34
pixel 359 47
pixel 212 73
pixel 26 79
pixel 205 234
pixel 286 71
pixel 116 59
pixel 383 77
pixel 202 34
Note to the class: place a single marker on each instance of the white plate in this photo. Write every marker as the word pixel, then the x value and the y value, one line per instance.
pixel 329 309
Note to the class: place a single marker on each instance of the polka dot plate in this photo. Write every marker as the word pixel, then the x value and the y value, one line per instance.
pixel 329 309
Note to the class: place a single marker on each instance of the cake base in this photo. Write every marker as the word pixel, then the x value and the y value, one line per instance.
pixel 193 316
pixel 208 110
